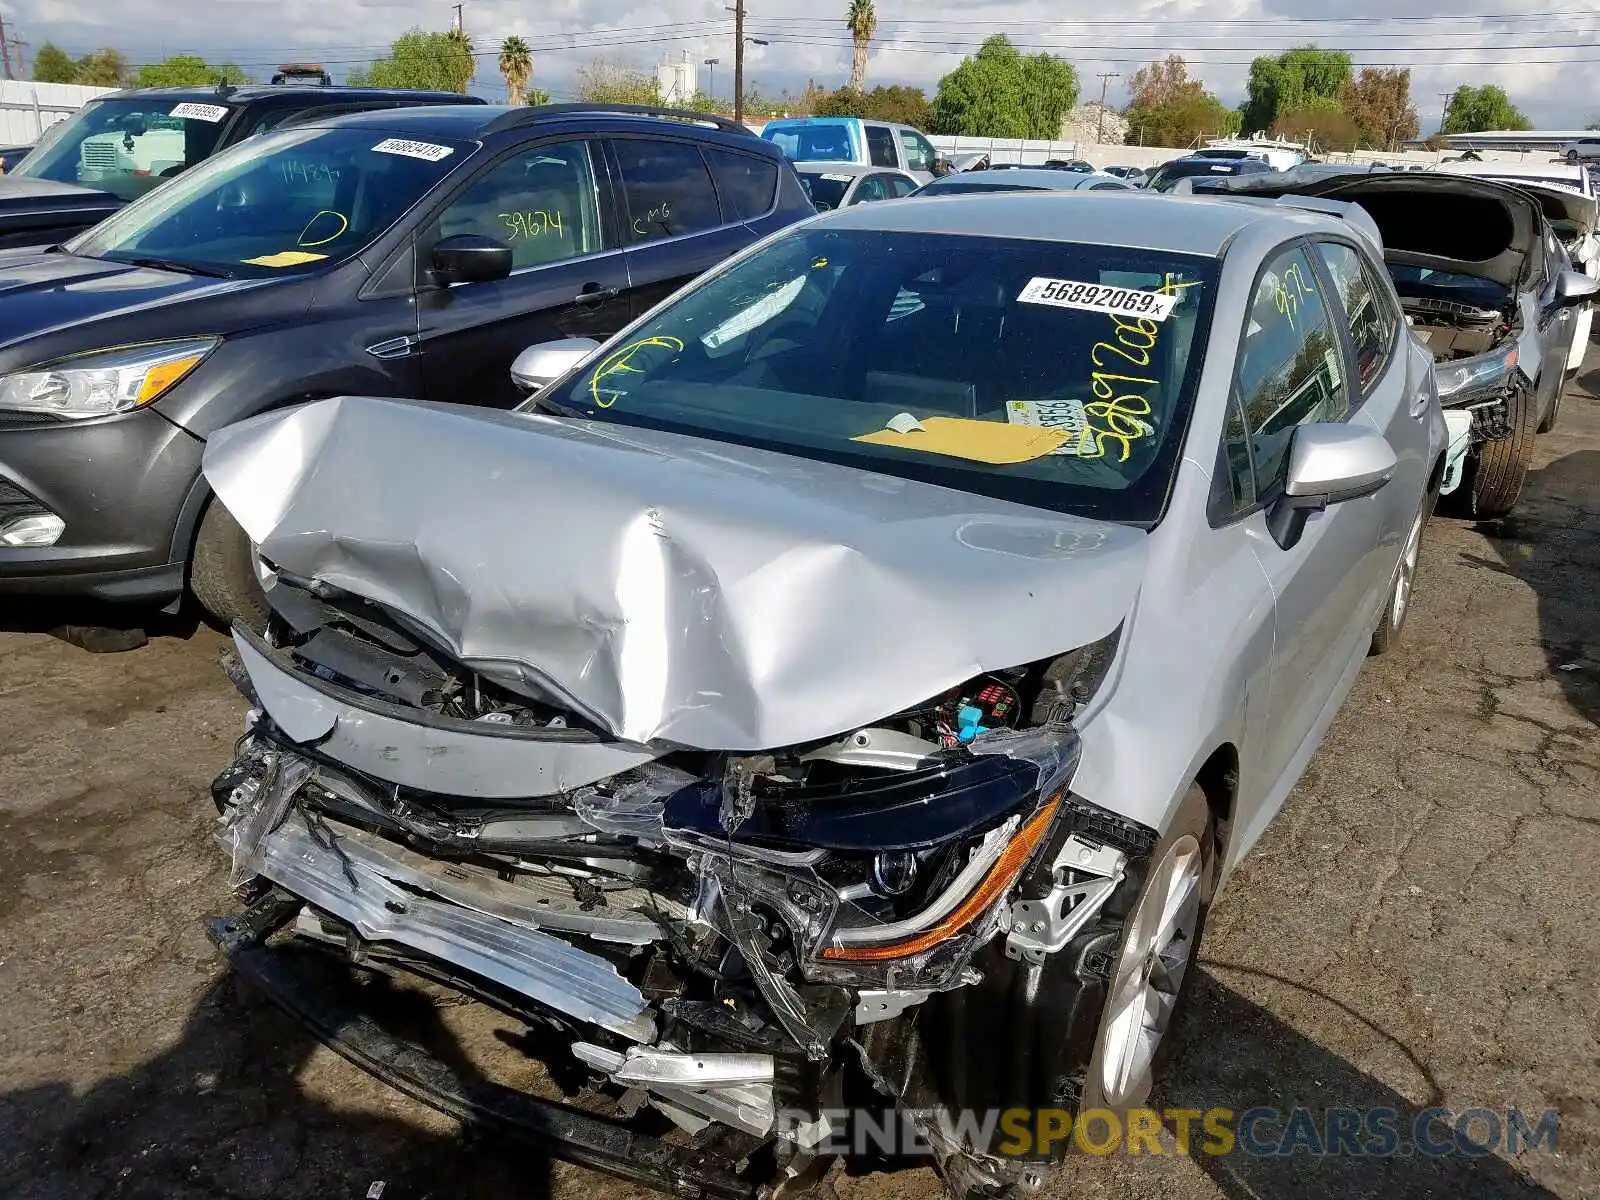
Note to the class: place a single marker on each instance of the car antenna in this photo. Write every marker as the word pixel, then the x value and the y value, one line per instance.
pixel 224 88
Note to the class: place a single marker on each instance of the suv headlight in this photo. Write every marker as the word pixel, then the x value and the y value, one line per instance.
pixel 103 382
pixel 1486 372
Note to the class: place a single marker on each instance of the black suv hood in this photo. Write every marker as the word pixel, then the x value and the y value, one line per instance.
pixel 44 292
pixel 37 212
pixel 1439 222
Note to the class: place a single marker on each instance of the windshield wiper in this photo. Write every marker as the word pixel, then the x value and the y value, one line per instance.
pixel 172 264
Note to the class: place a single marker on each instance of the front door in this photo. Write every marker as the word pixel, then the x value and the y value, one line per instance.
pixel 550 202
pixel 1293 371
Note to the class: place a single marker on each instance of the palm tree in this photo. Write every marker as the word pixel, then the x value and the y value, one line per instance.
pixel 516 64
pixel 862 21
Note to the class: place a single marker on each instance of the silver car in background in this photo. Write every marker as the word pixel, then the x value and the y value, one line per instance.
pixel 870 663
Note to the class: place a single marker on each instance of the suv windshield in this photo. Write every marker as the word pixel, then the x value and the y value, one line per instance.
pixel 1052 374
pixel 278 202
pixel 126 147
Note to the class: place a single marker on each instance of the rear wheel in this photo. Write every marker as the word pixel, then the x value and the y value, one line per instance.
pixel 1501 466
pixel 222 573
pixel 1387 633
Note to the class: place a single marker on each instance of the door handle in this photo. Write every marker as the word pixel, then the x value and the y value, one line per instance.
pixel 594 294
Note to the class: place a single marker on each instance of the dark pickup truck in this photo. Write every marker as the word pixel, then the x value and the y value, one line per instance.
pixel 119 146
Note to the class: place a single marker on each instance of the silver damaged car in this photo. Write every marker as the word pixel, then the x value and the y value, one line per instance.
pixel 848 688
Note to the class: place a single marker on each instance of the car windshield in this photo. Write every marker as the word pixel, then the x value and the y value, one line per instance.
pixel 826 188
pixel 287 201
pixel 1053 374
pixel 813 143
pixel 127 146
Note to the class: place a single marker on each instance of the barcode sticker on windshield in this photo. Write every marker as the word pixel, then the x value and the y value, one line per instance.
pixel 1098 297
pixel 427 151
pixel 1064 415
pixel 210 113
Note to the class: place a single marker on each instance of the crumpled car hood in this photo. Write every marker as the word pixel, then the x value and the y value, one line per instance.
pixel 668 587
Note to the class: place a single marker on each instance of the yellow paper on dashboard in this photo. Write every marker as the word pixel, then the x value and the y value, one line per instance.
pixel 284 258
pixel 977 441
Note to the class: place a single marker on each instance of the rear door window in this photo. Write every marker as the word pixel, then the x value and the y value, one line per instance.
pixel 667 188
pixel 870 188
pixel 900 185
pixel 1367 311
pixel 748 185
pixel 880 147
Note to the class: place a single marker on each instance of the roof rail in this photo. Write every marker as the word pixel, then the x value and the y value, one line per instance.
pixel 524 116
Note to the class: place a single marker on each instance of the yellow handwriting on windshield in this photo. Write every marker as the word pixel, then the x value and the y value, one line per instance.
pixel 1119 414
pixel 344 223
pixel 625 362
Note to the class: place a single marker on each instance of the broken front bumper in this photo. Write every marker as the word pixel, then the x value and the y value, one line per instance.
pixel 339 1020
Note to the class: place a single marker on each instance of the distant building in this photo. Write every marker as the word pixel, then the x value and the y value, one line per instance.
pixel 677 80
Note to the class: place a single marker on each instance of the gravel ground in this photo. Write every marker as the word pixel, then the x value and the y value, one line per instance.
pixel 1417 928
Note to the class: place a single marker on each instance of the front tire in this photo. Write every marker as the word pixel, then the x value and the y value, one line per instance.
pixel 222 573
pixel 1501 466
pixel 1156 962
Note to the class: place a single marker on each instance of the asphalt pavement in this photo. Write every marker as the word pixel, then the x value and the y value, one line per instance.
pixel 1417 930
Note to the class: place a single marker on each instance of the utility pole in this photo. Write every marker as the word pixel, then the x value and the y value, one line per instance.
pixel 460 24
pixel 711 84
pixel 738 60
pixel 1100 123
pixel 5 48
pixel 1444 113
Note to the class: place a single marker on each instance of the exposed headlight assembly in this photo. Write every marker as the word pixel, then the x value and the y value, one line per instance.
pixel 1471 376
pixel 104 382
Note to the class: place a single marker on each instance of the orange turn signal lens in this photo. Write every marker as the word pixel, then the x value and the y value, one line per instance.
pixel 1001 876
pixel 159 378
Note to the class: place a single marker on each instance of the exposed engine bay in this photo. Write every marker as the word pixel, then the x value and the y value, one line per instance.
pixel 1453 330
pixel 724 937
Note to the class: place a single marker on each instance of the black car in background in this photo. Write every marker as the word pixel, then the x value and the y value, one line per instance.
pixel 119 146
pixel 10 156
pixel 406 253
pixel 1166 176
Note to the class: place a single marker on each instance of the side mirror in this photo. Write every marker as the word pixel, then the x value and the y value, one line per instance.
pixel 1573 287
pixel 1328 464
pixel 941 167
pixel 539 366
pixel 469 258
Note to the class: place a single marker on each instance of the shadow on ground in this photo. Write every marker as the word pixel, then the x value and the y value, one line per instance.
pixel 97 627
pixel 1552 543
pixel 1238 1056
pixel 222 1114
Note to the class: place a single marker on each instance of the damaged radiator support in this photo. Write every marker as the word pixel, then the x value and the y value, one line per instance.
pixel 559 1131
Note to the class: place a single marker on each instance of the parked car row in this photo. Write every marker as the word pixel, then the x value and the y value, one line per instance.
pixel 758 646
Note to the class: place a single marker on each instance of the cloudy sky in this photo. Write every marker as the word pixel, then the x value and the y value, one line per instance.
pixel 1546 57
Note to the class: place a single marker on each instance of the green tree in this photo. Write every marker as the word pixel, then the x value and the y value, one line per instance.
pixel 105 67
pixel 1299 78
pixel 516 64
pixel 862 20
pixel 187 70
pixel 1002 93
pixel 536 96
pixel 437 62
pixel 1473 110
pixel 1322 126
pixel 901 104
pixel 54 65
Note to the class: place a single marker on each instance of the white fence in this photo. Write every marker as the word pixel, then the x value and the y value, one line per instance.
pixel 28 109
